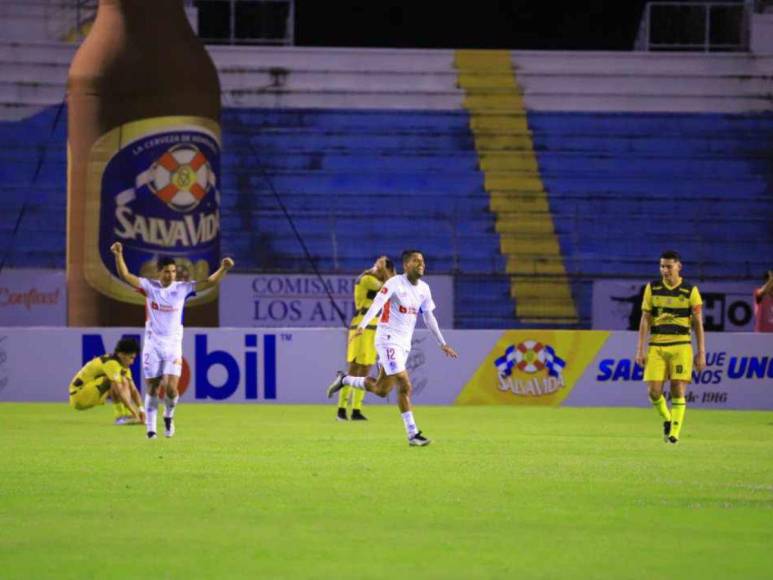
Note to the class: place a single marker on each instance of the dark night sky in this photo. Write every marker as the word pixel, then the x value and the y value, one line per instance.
pixel 515 24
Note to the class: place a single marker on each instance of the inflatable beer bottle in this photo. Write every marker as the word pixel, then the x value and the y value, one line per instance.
pixel 143 161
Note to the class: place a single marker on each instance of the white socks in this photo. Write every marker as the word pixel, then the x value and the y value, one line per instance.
pixel 169 406
pixel 410 424
pixel 151 410
pixel 356 382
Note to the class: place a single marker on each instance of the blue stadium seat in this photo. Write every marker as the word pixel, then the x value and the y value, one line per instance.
pixel 359 183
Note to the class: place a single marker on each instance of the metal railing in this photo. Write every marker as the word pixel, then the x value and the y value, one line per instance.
pixel 713 26
pixel 265 22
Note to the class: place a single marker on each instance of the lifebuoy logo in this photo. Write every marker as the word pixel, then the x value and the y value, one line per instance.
pixel 181 177
pixel 530 369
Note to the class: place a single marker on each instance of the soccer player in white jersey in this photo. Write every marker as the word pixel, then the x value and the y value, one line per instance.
pixel 400 299
pixel 162 355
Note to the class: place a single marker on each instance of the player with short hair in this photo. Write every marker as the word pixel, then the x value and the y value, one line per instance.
pixel 162 346
pixel 400 300
pixel 109 375
pixel 361 351
pixel 671 306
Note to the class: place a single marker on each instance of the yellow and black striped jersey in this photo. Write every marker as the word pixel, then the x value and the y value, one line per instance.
pixel 101 366
pixel 672 309
pixel 365 290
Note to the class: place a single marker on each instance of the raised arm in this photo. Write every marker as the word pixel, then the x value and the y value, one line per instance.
pixel 216 276
pixel 120 265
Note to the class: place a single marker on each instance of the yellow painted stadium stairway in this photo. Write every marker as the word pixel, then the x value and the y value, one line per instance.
pixel 527 237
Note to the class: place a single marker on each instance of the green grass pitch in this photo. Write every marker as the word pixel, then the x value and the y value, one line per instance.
pixel 260 491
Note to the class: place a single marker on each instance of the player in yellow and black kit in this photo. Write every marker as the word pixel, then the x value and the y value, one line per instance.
pixel 670 308
pixel 361 353
pixel 109 375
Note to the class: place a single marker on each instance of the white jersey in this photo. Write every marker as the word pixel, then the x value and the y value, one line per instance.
pixel 164 307
pixel 398 316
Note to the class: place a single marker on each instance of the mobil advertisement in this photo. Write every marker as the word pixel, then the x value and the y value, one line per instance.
pixel 306 300
pixel 294 365
pixel 218 365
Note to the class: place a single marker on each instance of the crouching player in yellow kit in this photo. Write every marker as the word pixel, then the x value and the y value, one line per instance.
pixel 361 353
pixel 671 306
pixel 109 375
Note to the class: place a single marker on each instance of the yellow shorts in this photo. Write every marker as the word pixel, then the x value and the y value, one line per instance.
pixel 362 350
pixel 669 363
pixel 89 394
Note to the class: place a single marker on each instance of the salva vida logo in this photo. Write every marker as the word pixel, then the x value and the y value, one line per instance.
pixel 530 369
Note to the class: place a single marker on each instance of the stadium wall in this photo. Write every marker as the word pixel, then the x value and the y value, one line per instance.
pixel 37 297
pixel 523 367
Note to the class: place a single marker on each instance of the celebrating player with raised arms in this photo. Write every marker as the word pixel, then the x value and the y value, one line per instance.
pixel 162 355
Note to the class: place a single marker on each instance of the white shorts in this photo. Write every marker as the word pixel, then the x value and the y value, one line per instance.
pixel 392 357
pixel 162 357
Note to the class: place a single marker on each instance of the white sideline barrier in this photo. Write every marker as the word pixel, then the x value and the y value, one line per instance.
pixel 574 368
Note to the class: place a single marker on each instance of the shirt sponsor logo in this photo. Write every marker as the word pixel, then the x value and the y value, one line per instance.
pixel 161 307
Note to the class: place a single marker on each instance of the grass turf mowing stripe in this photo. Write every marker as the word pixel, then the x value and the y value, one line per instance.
pixel 287 492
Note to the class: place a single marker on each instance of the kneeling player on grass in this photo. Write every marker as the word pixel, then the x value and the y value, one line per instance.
pixel 670 307
pixel 109 376
pixel 402 298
